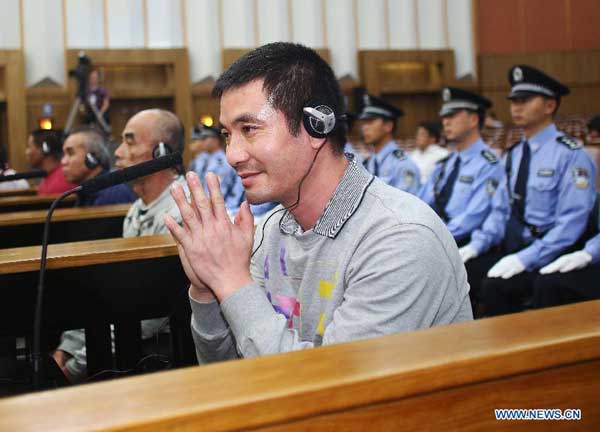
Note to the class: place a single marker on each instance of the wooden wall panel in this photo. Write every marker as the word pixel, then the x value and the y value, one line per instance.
pixel 498 26
pixel 12 95
pixel 524 26
pixel 585 24
pixel 545 25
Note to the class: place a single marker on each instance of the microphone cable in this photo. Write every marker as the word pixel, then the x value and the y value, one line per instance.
pixel 291 207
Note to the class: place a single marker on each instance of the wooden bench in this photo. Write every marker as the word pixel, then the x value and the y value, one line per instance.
pixel 32 202
pixel 93 284
pixel 69 224
pixel 444 378
pixel 19 192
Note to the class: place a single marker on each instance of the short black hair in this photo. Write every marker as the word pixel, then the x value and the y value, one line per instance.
pixel 293 77
pixel 433 128
pixel 594 124
pixel 52 139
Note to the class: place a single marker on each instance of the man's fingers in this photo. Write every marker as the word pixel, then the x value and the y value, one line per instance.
pixel 216 198
pixel 245 219
pixel 202 203
pixel 188 214
pixel 178 233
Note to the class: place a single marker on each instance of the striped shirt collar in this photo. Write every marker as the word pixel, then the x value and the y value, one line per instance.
pixel 342 205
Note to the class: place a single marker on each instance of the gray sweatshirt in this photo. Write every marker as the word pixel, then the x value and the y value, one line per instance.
pixel 378 261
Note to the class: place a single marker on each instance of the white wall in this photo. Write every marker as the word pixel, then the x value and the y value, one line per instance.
pixel 85 23
pixel 43 40
pixel 10 25
pixel 205 27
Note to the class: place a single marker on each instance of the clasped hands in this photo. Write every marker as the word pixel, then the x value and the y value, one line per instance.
pixel 214 252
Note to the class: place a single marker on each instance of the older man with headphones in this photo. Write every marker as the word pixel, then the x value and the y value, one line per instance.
pixel 148 134
pixel 85 155
pixel 343 257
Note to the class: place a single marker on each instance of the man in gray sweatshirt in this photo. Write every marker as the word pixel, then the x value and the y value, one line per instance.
pixel 343 257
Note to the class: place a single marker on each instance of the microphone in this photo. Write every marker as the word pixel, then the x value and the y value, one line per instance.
pixel 87 187
pixel 131 173
pixel 23 175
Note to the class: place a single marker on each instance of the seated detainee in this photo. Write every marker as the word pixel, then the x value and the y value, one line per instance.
pixel 85 156
pixel 428 152
pixel 388 162
pixel 148 134
pixel 344 257
pixel 542 208
pixel 572 277
pixel 462 185
pixel 44 151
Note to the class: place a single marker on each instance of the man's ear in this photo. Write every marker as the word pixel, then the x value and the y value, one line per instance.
pixel 316 143
pixel 551 106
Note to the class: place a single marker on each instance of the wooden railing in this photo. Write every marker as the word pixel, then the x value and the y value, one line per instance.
pixel 444 378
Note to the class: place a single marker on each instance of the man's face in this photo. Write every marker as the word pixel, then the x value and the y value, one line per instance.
pixel 73 160
pixel 459 124
pixel 33 154
pixel 375 130
pixel 136 142
pixel 268 158
pixel 423 138
pixel 529 111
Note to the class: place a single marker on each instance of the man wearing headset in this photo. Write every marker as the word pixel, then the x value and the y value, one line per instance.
pixel 44 150
pixel 85 156
pixel 148 134
pixel 343 257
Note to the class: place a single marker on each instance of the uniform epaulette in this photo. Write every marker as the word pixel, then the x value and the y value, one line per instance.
pixel 569 142
pixel 490 156
pixel 399 153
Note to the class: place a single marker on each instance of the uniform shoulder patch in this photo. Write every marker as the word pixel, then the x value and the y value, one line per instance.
pixel 399 153
pixel 569 142
pixel 489 156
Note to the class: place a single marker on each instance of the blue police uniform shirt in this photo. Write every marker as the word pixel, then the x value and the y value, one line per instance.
pixel 228 178
pixel 199 165
pixel 256 209
pixel 349 149
pixel 560 195
pixel 479 174
pixel 396 168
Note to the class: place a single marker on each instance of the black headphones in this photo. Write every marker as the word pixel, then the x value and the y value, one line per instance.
pixel 319 119
pixel 91 161
pixel 46 148
pixel 161 149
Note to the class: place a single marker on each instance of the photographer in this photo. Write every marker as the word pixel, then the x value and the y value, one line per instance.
pixel 97 96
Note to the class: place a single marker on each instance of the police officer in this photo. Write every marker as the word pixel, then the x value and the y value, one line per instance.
pixel 543 207
pixel 200 155
pixel 574 276
pixel 388 161
pixel 462 185
pixel 349 147
pixel 231 184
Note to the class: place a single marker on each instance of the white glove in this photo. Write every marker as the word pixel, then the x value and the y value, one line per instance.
pixel 467 252
pixel 507 267
pixel 569 262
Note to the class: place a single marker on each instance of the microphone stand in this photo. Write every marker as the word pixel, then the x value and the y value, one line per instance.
pixel 37 325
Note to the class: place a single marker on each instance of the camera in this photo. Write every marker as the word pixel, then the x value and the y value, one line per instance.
pixel 81 73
